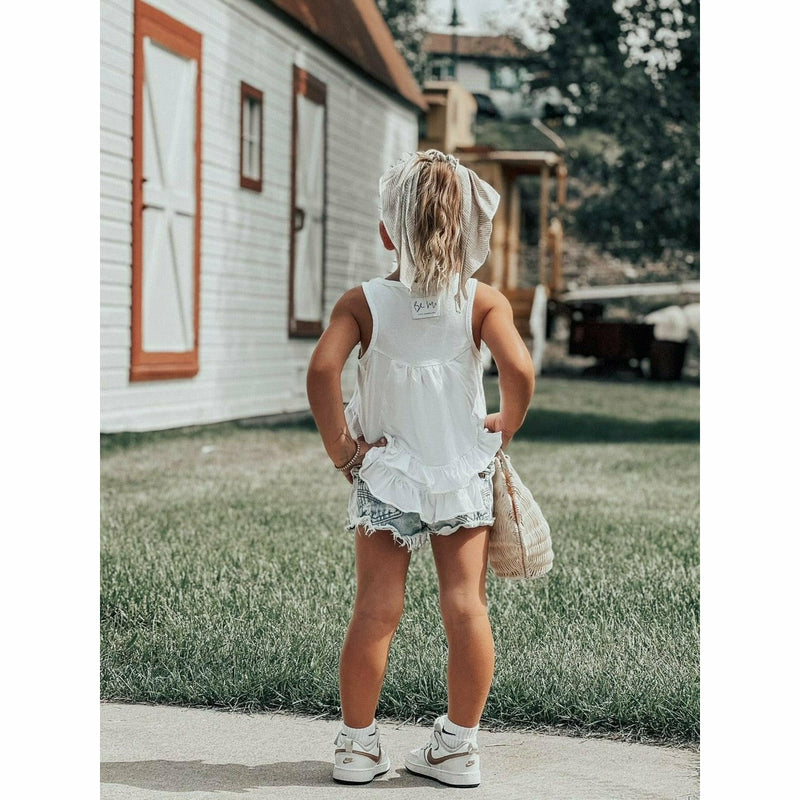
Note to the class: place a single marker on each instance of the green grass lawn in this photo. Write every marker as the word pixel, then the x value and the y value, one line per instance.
pixel 227 577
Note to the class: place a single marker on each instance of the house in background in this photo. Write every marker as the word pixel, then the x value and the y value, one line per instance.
pixel 448 126
pixel 527 277
pixel 241 146
pixel 499 68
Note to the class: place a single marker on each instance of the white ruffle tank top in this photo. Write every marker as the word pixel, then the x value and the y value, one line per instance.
pixel 420 384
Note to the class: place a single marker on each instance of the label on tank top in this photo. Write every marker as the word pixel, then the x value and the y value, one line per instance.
pixel 422 307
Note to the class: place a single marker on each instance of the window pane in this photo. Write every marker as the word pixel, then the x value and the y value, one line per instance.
pixel 251 137
pixel 255 113
pixel 252 162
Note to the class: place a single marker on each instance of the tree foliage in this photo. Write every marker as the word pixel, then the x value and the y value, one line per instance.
pixel 405 19
pixel 631 69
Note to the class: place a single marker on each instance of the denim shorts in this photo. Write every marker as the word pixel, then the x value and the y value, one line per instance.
pixel 407 527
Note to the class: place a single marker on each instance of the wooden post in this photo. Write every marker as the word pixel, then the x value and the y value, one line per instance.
pixel 561 172
pixel 555 243
pixel 512 232
pixel 544 214
pixel 497 255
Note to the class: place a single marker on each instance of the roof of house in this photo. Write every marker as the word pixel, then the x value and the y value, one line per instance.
pixel 518 135
pixel 502 46
pixel 356 30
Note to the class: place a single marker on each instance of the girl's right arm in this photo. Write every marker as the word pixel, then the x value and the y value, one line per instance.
pixel 514 364
pixel 324 380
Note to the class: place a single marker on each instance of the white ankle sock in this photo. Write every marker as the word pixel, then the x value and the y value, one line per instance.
pixel 452 733
pixel 363 735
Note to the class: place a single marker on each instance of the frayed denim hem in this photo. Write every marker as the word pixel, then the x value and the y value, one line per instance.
pixel 480 523
pixel 411 542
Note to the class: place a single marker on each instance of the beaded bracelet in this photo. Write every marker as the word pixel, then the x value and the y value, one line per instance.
pixel 353 459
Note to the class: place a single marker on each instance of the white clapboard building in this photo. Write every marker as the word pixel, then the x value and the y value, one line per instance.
pixel 241 145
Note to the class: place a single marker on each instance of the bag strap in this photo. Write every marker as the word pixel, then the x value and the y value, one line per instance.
pixel 512 496
pixel 504 466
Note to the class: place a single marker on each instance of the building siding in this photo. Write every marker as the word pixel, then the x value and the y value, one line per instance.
pixel 248 364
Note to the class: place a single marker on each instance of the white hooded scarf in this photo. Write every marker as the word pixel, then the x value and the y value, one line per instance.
pixel 398 193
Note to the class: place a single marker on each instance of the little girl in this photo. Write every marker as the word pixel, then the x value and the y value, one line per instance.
pixel 418 448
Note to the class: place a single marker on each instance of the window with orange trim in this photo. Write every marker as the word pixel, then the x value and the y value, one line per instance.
pixel 165 296
pixel 251 131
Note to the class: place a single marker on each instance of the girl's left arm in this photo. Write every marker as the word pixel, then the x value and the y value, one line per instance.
pixel 324 379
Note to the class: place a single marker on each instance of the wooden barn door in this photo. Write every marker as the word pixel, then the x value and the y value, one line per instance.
pixel 307 268
pixel 166 213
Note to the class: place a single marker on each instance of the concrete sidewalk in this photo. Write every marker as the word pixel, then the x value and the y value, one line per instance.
pixel 150 752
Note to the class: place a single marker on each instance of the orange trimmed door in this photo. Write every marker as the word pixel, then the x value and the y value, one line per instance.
pixel 166 197
pixel 307 269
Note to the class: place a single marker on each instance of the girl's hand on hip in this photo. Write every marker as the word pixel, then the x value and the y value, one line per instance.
pixel 495 423
pixel 365 448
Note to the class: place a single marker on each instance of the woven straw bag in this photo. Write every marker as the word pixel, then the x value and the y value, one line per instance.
pixel 519 541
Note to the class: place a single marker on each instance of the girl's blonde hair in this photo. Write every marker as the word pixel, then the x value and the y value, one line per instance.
pixel 437 225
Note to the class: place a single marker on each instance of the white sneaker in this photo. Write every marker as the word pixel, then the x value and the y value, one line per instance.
pixel 356 762
pixel 454 766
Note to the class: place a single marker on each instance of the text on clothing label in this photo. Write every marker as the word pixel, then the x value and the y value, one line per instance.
pixel 422 307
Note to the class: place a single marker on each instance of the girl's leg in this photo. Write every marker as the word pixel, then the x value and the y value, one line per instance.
pixel 381 567
pixel 461 559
